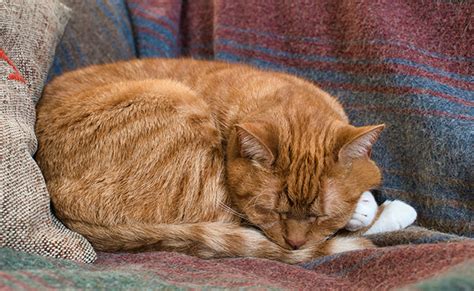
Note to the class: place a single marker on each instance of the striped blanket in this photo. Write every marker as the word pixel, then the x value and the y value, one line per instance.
pixel 407 64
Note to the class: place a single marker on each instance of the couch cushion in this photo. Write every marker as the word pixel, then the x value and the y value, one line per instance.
pixel 29 33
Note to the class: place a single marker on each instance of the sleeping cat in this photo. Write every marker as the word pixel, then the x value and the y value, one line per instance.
pixel 206 158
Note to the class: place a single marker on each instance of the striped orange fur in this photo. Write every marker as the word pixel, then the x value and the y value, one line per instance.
pixel 206 158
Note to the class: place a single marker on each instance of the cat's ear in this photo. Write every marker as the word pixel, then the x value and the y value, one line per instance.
pixel 257 142
pixel 359 142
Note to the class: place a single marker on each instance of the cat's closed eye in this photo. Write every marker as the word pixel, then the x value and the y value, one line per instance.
pixel 310 217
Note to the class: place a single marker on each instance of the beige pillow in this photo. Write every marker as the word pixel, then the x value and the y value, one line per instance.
pixel 29 33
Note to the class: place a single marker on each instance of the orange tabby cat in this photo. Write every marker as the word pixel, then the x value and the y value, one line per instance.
pixel 206 158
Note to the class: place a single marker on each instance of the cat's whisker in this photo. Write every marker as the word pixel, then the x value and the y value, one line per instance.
pixel 252 202
pixel 232 211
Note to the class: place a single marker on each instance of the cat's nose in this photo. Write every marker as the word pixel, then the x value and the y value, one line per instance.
pixel 295 244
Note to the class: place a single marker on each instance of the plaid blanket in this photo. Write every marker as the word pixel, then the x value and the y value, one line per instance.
pixel 428 266
pixel 404 63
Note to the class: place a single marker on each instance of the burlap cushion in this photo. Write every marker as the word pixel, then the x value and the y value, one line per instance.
pixel 29 33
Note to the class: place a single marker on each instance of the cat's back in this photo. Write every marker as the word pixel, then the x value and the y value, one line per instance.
pixel 134 144
pixel 217 82
pixel 183 70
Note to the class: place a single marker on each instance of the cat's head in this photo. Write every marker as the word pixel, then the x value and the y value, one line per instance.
pixel 300 183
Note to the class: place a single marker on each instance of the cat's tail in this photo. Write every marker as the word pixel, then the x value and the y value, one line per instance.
pixel 208 240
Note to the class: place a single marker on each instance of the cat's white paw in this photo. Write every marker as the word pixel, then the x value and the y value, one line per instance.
pixel 364 213
pixel 396 215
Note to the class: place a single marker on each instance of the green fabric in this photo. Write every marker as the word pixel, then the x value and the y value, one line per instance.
pixel 460 277
pixel 23 269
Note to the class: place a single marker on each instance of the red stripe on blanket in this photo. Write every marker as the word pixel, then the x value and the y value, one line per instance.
pixel 378 67
pixel 352 49
pixel 354 21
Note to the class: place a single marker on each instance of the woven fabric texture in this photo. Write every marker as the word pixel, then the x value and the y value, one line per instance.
pixel 29 33
pixel 442 266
